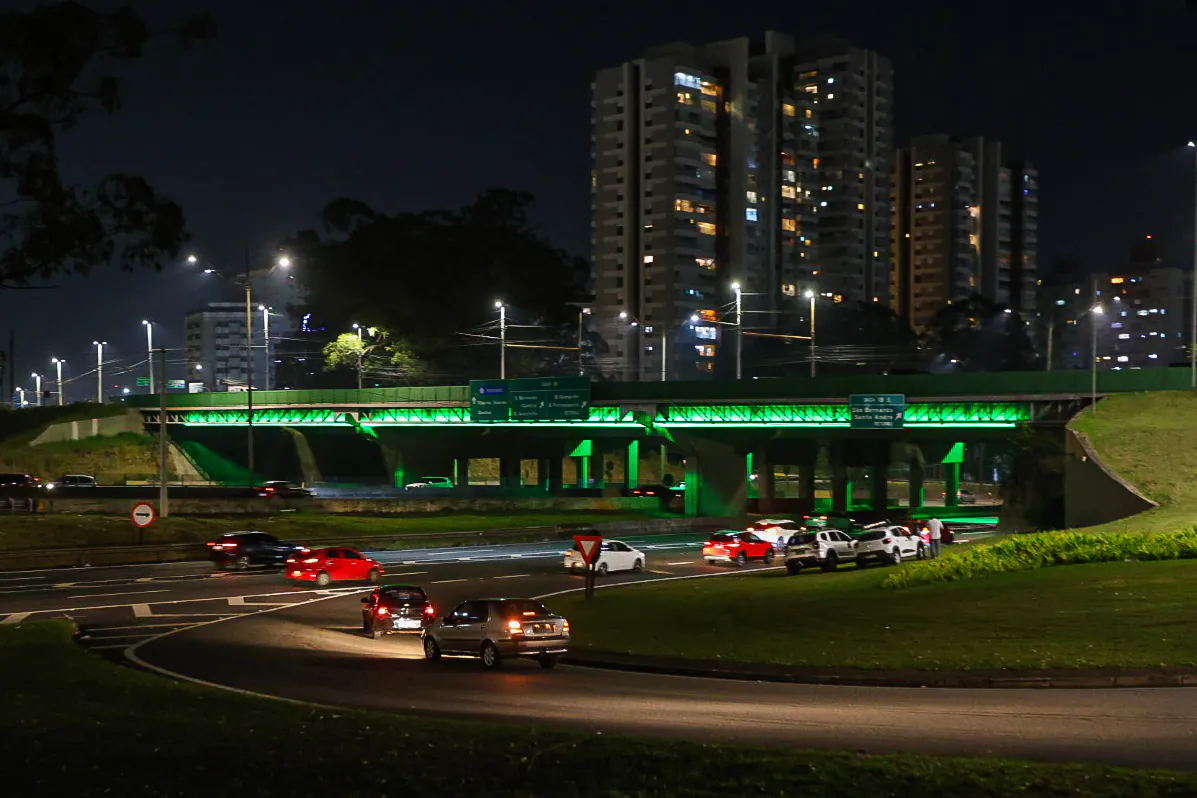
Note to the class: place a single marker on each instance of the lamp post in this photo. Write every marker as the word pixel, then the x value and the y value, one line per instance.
pixel 739 329
pixel 38 383
pixel 358 327
pixel 58 363
pixel 246 279
pixel 1193 285
pixel 149 343
pixel 266 343
pixel 1094 313
pixel 502 338
pixel 811 296
pixel 582 314
pixel 20 397
pixel 99 345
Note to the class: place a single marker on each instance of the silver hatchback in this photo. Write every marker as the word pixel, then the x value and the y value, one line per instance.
pixel 497 628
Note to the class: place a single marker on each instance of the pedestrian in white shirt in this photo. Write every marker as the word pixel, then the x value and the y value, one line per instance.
pixel 935 527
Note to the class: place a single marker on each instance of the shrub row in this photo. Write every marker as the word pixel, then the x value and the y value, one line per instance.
pixel 1039 550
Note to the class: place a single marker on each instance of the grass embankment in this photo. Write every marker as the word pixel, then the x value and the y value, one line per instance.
pixel 75 725
pixel 50 531
pixel 1108 615
pixel 112 460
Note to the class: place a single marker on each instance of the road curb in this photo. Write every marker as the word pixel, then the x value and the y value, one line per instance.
pixel 1028 680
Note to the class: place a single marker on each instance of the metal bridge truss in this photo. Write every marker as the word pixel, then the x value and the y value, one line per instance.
pixel 925 414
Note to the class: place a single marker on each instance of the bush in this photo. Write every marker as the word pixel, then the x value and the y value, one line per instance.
pixel 1028 552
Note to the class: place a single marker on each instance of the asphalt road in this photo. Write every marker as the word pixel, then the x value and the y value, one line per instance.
pixel 254 632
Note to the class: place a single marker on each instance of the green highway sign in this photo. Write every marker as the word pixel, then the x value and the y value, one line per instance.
pixel 877 410
pixel 143 382
pixel 489 400
pixel 550 399
pixel 176 384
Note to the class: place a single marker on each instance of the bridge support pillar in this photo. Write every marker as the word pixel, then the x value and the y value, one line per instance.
pixel 806 477
pixel 715 483
pixel 631 465
pixel 597 473
pixel 879 489
pixel 915 481
pixel 461 471
pixel 951 484
pixel 393 457
pixel 765 491
pixel 841 485
pixel 550 474
pixel 509 472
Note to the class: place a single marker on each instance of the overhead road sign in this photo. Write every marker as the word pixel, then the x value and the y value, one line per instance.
pixel 877 410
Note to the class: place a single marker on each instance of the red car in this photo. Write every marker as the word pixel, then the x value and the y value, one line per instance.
pixel 738 547
pixel 323 566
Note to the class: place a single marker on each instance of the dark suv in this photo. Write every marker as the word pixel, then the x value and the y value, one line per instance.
pixel 396 608
pixel 240 550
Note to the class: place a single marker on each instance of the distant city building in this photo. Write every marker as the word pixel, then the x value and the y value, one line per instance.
pixel 763 164
pixel 1062 327
pixel 965 222
pixel 215 346
pixel 1144 312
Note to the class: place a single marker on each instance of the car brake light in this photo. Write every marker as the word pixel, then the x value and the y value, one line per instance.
pixel 311 560
pixel 565 627
pixel 430 610
pixel 515 627
pixel 210 543
pixel 382 611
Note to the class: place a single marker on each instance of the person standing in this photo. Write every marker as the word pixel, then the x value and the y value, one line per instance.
pixel 935 527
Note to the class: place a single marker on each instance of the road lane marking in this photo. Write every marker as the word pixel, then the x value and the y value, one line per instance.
pixel 21 579
pixel 133 626
pixel 133 593
pixel 654 581
pixel 651 571
pixel 239 601
pixel 114 645
pixel 16 617
pixel 409 573
pixel 683 562
pixel 448 581
pixel 115 637
pixel 510 576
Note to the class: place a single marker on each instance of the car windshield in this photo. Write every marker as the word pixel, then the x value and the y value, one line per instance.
pixel 802 539
pixel 874 534
pixel 404 594
pixel 525 607
pixel 721 538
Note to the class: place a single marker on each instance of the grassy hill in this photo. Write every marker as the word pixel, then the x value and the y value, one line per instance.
pixel 112 459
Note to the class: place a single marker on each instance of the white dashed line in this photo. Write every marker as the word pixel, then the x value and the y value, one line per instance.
pixel 134 626
pixel 21 579
pixel 683 562
pixel 16 617
pixel 409 573
pixel 134 593
pixel 510 576
pixel 114 645
pixel 116 637
pixel 448 581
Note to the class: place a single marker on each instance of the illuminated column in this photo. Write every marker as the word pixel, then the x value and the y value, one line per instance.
pixel 461 471
pixel 917 492
pixel 951 484
pixel 631 465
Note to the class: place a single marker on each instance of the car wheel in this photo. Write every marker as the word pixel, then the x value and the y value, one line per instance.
pixel 323 579
pixel 637 566
pixel 769 557
pixel 710 561
pixel 831 563
pixel 373 576
pixel 241 563
pixel 369 631
pixel 793 568
pixel 602 569
pixel 432 651
pixel 490 656
pixel 895 558
pixel 741 559
pixel 547 661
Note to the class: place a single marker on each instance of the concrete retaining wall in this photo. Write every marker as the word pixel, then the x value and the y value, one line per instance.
pixel 107 427
pixel 1093 494
pixel 430 504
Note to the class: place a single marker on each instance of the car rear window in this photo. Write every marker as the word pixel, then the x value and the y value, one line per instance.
pixel 405 594
pixel 522 607
pixel 722 538
pixel 873 534
pixel 802 540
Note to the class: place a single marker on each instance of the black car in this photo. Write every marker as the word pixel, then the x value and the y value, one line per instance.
pixel 240 550
pixel 281 489
pixel 395 608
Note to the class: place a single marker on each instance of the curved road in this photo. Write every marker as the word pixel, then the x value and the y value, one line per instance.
pixel 307 647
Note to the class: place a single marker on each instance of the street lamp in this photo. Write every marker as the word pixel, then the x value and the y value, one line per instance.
pixel 246 279
pixel 38 379
pixel 739 329
pixel 149 343
pixel 809 294
pixel 358 327
pixel 502 338
pixel 582 314
pixel 1193 286
pixel 266 340
pixel 58 362
pixel 1094 313
pixel 99 345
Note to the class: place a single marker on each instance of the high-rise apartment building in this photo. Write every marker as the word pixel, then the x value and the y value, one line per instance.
pixel 712 166
pixel 1142 323
pixel 215 345
pixel 965 222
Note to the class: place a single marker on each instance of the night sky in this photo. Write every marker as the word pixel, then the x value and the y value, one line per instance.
pixel 416 105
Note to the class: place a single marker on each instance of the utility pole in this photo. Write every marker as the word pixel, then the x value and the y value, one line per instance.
pixel 149 344
pixel 163 447
pixel 739 330
pixel 1051 328
pixel 502 340
pixel 249 371
pixel 664 354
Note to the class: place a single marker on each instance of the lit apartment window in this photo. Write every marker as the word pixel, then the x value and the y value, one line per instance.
pixel 685 98
pixel 710 89
pixel 709 158
pixel 788 192
pixel 683 205
pixel 709 106
pixel 706 228
pixel 648 258
pixel 789 289
pixel 860 206
pixel 751 195
pixel 830 96
pixel 706 263
pixel 789 224
pixel 789 175
pixel 807 113
pixel 1116 280
pixel 704 350
pixel 788 109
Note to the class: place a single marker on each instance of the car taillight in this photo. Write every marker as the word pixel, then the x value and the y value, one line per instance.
pixel 515 627
pixel 887 541
pixel 210 543
pixel 382 611
pixel 311 560
pixel 565 627
pixel 637 492
pixel 430 610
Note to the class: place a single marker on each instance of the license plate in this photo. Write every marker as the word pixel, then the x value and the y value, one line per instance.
pixel 406 623
pixel 296 573
pixel 542 628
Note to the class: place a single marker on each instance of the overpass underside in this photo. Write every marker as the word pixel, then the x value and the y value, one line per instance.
pixel 722 452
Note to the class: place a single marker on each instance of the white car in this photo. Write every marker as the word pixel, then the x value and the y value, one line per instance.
pixel 615 555
pixel 885 544
pixel 429 482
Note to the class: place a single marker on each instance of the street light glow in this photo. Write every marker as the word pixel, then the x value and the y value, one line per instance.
pixel 143 321
pixel 735 287
pixel 694 317
pixel 192 259
pixel 1098 309
pixel 623 314
pixel 1191 144
pixel 209 271
pixel 809 294
pixel 284 261
pixel 498 303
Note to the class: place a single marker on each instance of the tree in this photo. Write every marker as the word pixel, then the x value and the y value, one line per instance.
pixel 978 334
pixel 431 280
pixel 380 358
pixel 54 74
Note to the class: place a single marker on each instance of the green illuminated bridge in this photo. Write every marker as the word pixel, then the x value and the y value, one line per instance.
pixel 713 432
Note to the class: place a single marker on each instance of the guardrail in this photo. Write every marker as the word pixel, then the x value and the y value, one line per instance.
pixel 83 556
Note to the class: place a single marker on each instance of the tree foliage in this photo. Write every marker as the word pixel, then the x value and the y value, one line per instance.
pixel 55 72
pixel 380 358
pixel 849 337
pixel 980 335
pixel 431 280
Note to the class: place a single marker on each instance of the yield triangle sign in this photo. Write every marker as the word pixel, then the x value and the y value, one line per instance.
pixel 589 546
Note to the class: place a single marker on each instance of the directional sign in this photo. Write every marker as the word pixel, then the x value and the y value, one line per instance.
pixel 176 384
pixel 877 410
pixel 143 514
pixel 550 399
pixel 143 382
pixel 489 400
pixel 589 546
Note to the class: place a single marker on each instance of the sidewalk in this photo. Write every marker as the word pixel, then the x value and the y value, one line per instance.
pixel 1035 679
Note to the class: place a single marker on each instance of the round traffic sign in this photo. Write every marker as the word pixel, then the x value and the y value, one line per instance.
pixel 143 514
